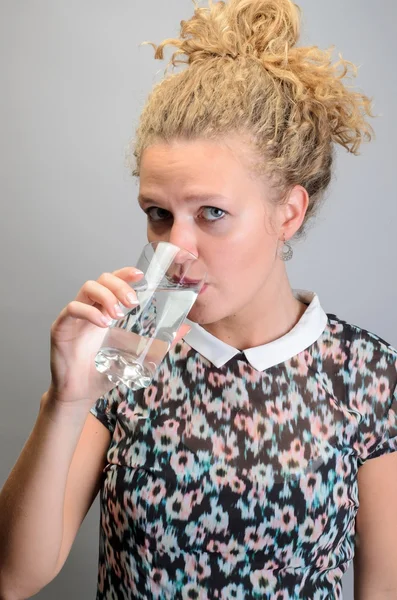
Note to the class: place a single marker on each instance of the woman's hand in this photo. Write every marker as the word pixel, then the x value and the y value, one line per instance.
pixel 78 332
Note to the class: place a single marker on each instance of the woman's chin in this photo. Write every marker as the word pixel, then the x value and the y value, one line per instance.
pixel 204 312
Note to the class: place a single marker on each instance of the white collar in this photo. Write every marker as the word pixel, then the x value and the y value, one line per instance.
pixel 307 330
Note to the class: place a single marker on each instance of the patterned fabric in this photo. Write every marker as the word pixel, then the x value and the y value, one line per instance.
pixel 233 483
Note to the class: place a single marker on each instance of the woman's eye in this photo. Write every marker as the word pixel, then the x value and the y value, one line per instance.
pixel 217 217
pixel 162 215
pixel 149 213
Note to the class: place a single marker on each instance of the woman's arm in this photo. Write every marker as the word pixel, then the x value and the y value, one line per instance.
pixel 47 495
pixel 375 560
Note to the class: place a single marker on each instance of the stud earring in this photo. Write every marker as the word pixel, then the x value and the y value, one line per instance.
pixel 286 252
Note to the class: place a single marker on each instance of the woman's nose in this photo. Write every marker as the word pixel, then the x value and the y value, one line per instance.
pixel 182 236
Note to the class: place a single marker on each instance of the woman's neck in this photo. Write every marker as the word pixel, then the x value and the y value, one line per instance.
pixel 271 313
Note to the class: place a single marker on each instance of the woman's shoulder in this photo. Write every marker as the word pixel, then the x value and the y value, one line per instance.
pixel 360 343
pixel 368 367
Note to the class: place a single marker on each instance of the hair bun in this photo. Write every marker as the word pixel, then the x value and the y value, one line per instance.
pixel 264 29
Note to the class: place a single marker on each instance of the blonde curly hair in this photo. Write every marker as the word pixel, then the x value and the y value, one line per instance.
pixel 246 75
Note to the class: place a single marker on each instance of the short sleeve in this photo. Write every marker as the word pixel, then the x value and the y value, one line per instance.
pixel 382 437
pixel 105 408
pixel 388 441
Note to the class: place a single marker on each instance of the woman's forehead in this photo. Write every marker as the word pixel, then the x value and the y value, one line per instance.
pixel 211 167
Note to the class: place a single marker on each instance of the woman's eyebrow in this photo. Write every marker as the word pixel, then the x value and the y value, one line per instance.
pixel 142 199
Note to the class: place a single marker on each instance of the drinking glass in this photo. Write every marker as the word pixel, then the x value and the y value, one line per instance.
pixel 135 345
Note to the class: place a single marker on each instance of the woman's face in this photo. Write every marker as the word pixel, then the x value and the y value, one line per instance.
pixel 201 196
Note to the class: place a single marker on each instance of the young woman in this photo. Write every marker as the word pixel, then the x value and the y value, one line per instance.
pixel 254 474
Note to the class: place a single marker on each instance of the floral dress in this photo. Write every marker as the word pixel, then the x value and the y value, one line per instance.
pixel 234 474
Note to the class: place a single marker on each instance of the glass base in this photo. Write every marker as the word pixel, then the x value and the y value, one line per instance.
pixel 121 367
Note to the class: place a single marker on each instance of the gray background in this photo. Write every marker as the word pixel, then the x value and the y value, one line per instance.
pixel 73 81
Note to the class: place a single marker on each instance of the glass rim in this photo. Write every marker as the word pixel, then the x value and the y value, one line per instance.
pixel 153 244
pixel 190 262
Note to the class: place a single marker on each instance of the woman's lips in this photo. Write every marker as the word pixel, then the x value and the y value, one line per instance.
pixel 177 279
pixel 188 281
pixel 184 279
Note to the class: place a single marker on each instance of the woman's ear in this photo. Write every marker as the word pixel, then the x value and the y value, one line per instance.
pixel 294 210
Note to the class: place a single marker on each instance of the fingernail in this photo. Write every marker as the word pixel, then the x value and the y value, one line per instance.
pixel 118 310
pixel 106 320
pixel 132 299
